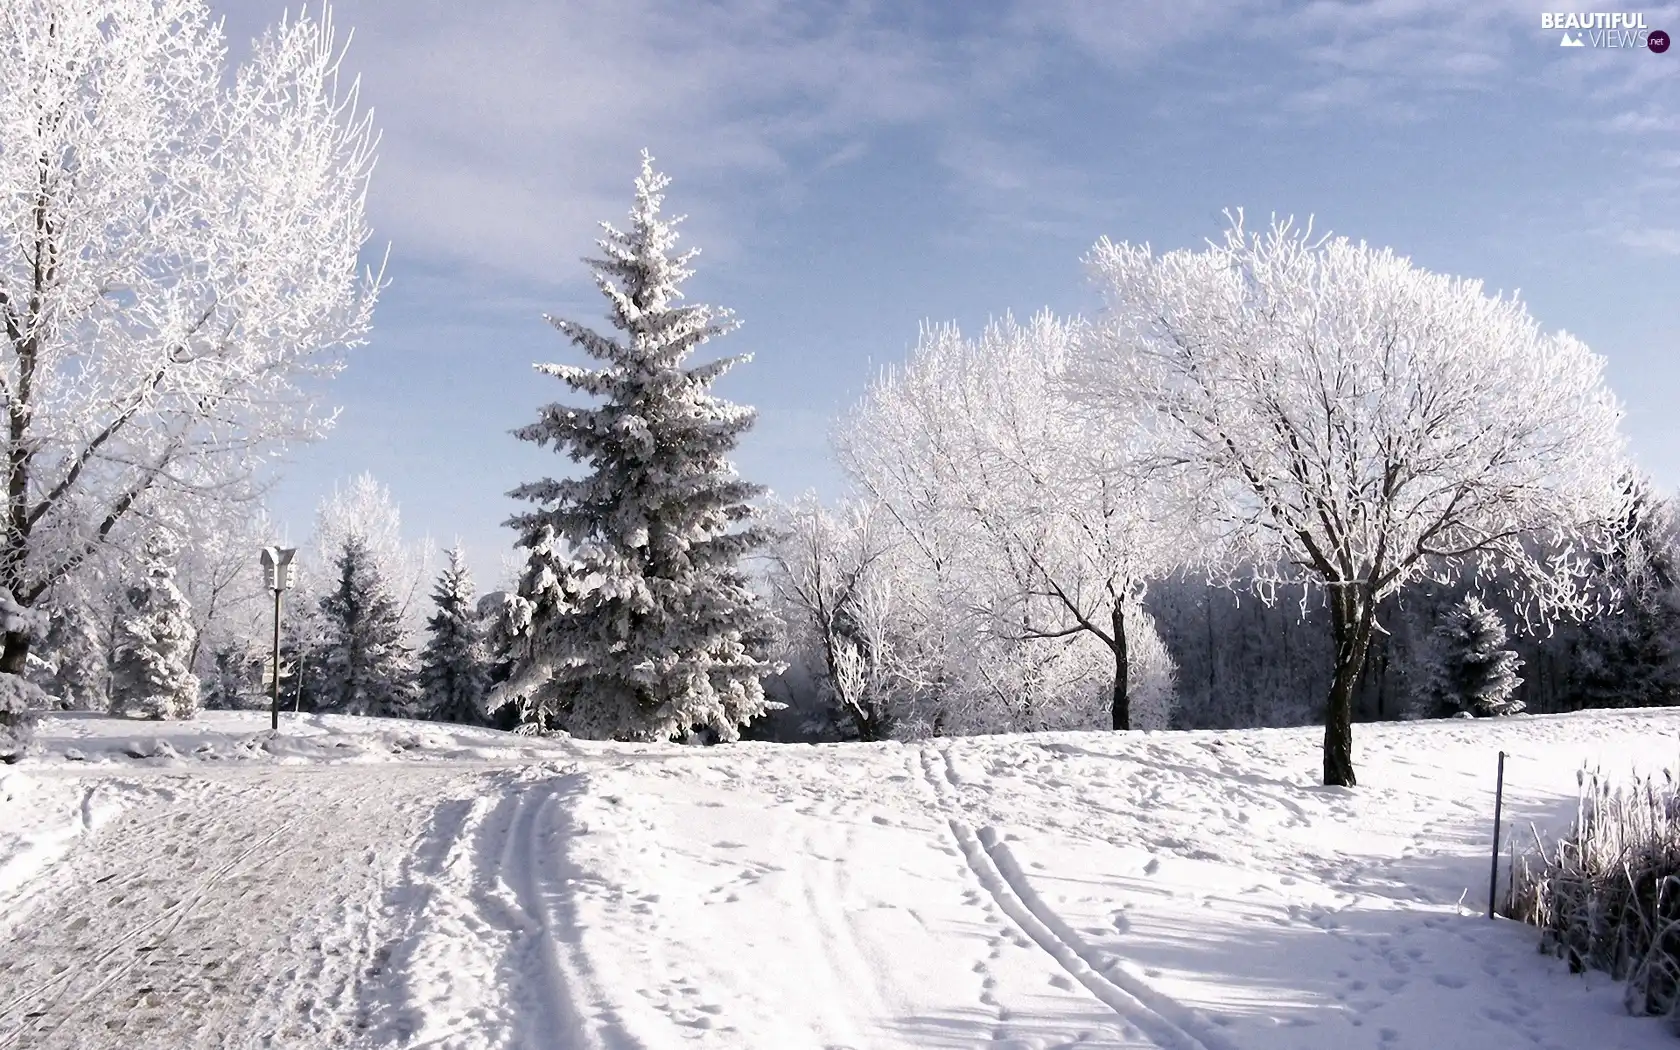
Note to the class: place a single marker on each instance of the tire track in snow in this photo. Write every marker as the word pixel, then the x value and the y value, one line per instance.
pixel 1168 1023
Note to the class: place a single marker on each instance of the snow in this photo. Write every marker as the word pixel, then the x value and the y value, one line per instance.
pixel 370 882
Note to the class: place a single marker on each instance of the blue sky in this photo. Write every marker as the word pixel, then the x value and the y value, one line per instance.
pixel 851 169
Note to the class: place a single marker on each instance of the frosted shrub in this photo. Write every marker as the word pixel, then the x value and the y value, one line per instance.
pixel 1606 896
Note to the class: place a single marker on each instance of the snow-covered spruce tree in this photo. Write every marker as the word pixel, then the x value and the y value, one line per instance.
pixel 454 665
pixel 178 261
pixel 152 673
pixel 366 670
pixel 234 681
pixel 1339 418
pixel 304 634
pixel 77 670
pixel 1469 670
pixel 651 631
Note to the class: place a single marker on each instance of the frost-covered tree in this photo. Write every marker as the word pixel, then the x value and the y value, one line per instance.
pixel 152 672
pixel 832 578
pixel 178 257
pixel 646 627
pixel 1340 417
pixel 975 441
pixel 235 681
pixel 1629 654
pixel 365 668
pixel 76 668
pixel 363 507
pixel 454 665
pixel 1469 670
pixel 221 576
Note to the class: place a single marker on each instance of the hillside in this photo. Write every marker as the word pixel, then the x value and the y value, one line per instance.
pixel 356 882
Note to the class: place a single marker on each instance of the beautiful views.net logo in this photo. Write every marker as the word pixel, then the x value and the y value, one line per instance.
pixel 1605 29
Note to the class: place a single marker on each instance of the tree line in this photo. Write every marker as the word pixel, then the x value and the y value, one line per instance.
pixel 1284 477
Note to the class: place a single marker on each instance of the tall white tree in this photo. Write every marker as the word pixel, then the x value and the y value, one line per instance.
pixel 1337 415
pixel 178 252
pixel 661 634
pixel 833 578
pixel 975 449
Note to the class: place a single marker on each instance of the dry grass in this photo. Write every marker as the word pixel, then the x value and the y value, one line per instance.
pixel 1607 895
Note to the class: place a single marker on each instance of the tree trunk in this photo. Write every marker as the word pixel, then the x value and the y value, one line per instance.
pixel 1122 709
pixel 1351 617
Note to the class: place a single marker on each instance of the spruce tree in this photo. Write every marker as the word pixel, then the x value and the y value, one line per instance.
pixel 366 670
pixel 77 670
pixel 1470 670
pixel 232 685
pixel 454 663
pixel 636 621
pixel 151 673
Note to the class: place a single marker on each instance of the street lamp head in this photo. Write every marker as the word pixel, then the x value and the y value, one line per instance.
pixel 279 569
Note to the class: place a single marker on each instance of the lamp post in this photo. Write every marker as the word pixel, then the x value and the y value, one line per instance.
pixel 279 573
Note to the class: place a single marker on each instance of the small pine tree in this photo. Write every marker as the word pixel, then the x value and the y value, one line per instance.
pixel 1469 671
pixel 235 682
pixel 366 670
pixel 151 673
pixel 75 669
pixel 648 630
pixel 454 663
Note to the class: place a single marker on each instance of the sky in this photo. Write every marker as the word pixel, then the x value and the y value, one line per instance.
pixel 853 169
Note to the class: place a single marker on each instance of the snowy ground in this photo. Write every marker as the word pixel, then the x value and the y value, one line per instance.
pixel 356 882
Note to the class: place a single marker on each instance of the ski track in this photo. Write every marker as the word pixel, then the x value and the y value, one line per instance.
pixel 488 952
pixel 1168 1024
pixel 218 913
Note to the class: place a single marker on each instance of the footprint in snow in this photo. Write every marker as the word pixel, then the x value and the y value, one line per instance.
pixel 1153 866
pixel 1450 980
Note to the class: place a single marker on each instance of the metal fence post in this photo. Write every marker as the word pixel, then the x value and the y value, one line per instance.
pixel 1498 804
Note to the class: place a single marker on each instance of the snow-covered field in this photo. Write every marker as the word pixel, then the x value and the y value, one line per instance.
pixel 355 882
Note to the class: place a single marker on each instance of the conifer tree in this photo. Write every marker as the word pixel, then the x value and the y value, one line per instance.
pixel 151 673
pixel 232 685
pixel 636 620
pixel 454 663
pixel 1470 670
pixel 77 669
pixel 366 670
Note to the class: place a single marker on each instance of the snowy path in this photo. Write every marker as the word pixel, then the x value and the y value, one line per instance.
pixel 470 891
pixel 236 911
